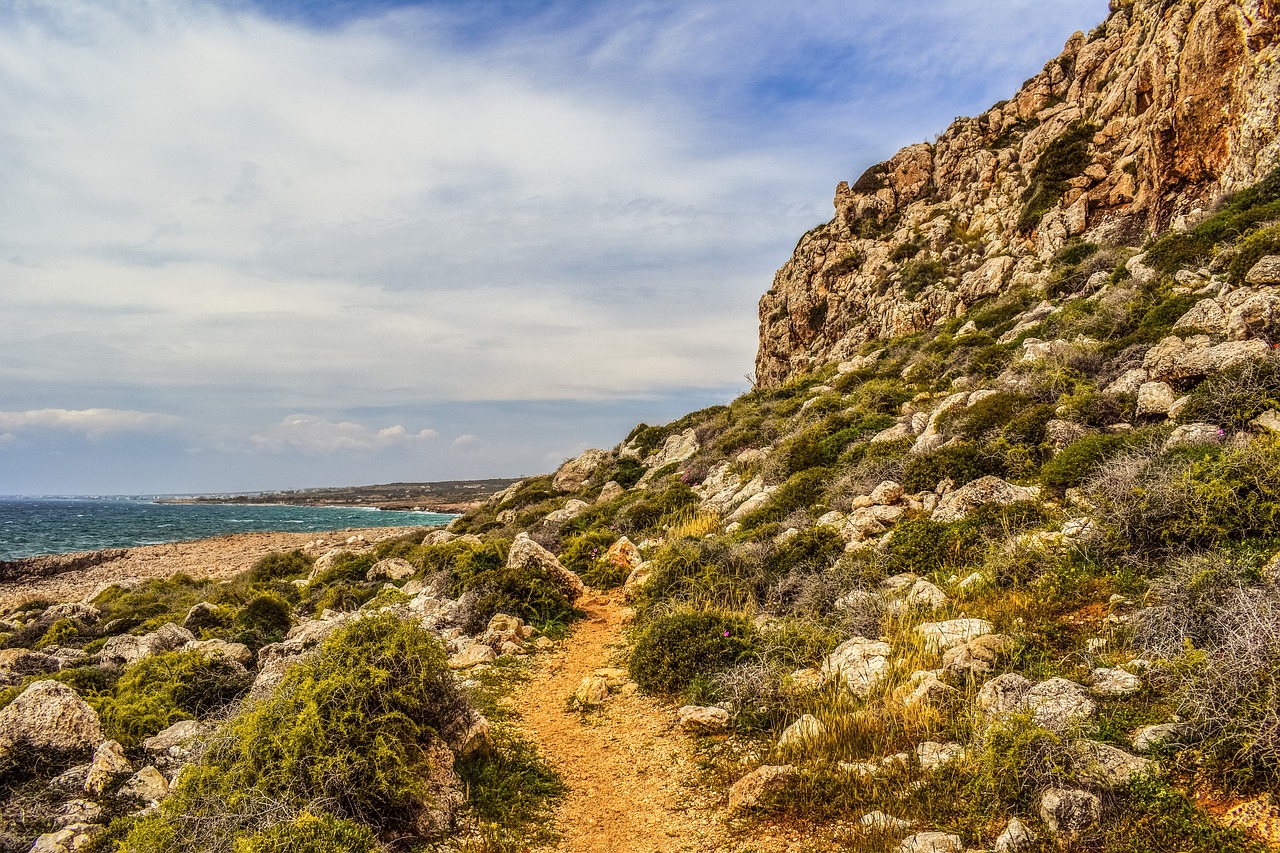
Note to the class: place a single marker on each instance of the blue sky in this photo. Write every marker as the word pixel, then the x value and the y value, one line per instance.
pixel 284 244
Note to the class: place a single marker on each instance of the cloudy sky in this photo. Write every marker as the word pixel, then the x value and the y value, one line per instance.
pixel 322 242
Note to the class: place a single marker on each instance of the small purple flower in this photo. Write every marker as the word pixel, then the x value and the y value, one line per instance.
pixel 726 633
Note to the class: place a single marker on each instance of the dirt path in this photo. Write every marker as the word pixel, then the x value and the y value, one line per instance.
pixel 624 764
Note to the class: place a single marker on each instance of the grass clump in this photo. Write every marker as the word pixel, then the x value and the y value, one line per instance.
pixel 1063 159
pixel 1080 459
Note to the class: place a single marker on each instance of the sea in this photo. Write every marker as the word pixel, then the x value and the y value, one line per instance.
pixel 34 526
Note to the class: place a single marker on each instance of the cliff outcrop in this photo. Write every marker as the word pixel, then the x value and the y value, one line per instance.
pixel 1137 127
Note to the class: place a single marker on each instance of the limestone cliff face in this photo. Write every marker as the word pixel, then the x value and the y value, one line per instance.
pixel 1136 127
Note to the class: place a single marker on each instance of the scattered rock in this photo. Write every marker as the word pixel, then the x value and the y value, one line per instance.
pixel 859 662
pixel 1175 359
pixel 109 762
pixel 1057 704
pixel 610 491
pixel 391 569
pixel 929 691
pixel 1114 682
pixel 1155 398
pixel 1016 838
pixel 1265 272
pixel 178 736
pixel 1003 694
pixel 1148 738
pixel 801 734
pixel 66 840
pixel 235 652
pixel 976 657
pixel 623 554
pixel 933 755
pixel 751 789
pixel 78 813
pixel 1107 766
pixel 525 550
pixel 1206 316
pixel 694 718
pixel 953 632
pixel 16 664
pixel 931 842
pixel 1192 435
pixel 473 655
pixel 1066 811
pixel 881 822
pixel 575 473
pixel 147 785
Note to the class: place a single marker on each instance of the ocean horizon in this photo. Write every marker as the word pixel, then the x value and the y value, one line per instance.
pixel 38 525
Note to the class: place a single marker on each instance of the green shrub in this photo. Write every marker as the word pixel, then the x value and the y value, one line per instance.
pixel 280 566
pixel 815 548
pixel 347 568
pixel 627 472
pixel 340 597
pixel 1063 159
pixel 268 616
pixel 1076 462
pixel 1150 814
pixel 703 573
pixel 1235 397
pixel 924 546
pixel 158 691
pixel 526 591
pixel 582 552
pixel 962 463
pixel 919 274
pixel 352 728
pixel 58 634
pixel 310 833
pixel 675 648
pixel 799 491
pixel 655 508
pixel 988 414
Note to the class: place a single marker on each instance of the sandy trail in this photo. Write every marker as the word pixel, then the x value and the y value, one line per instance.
pixel 627 764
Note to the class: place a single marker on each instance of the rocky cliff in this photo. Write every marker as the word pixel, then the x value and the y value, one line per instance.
pixel 1139 126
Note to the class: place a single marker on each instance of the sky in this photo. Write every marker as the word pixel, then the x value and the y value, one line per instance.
pixel 267 245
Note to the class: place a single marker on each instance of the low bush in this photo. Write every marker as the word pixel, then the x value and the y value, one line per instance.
pixel 675 648
pixel 346 568
pixel 702 573
pixel 158 691
pixel 311 833
pixel 526 591
pixel 267 616
pixel 800 491
pixel 282 565
pixel 1080 459
pixel 353 728
pixel 1235 397
pixel 961 463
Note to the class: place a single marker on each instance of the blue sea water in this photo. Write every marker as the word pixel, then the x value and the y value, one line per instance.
pixel 33 526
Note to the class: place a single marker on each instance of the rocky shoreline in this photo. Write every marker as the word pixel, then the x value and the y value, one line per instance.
pixel 70 577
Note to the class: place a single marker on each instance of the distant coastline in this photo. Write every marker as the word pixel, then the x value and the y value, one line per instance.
pixel 448 497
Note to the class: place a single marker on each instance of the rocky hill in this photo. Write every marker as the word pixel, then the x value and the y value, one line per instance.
pixel 1140 125
pixel 989 560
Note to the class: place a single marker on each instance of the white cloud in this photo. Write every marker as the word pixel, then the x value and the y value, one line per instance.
pixel 92 423
pixel 313 435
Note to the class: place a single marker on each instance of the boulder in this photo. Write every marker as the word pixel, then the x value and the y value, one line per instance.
pixel 801 734
pixel 127 649
pixel 1155 398
pixel 637 580
pixel 1256 317
pixel 447 792
pixel 1194 435
pixel 78 813
pixel 929 692
pixel 888 492
pixel 1106 766
pixel 202 615
pixel 1060 433
pixel 326 560
pixel 933 755
pixel 676 448
pixel 985 490
pixel 525 550
pixel 1175 359
pixel 472 655
pixel 1128 382
pixel 1003 694
pixel 16 664
pixel 571 510
pixel 1206 316
pixel 925 596
pixel 179 736
pixel 1057 704
pixel 931 842
pixel 694 718
pixel 1066 811
pixel 109 763
pixel 147 785
pixel 66 840
pixel 1265 273
pixel 610 491
pixel 1114 682
pixel 390 569
pixel 1016 838
pixel 953 632
pixel 860 663
pixel 1148 738
pixel 623 554
pixel 49 715
pixel 235 652
pixel 575 473
pixel 976 657
pixel 751 789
